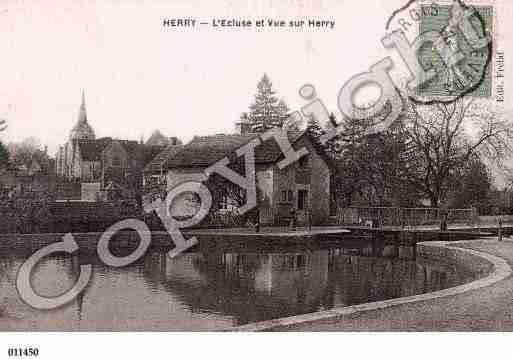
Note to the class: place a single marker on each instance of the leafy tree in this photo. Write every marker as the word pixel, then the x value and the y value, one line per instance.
pixel 25 212
pixel 334 146
pixel 267 111
pixel 225 192
pixel 4 156
pixel 25 152
pixel 472 186
pixel 430 152
pixel 371 170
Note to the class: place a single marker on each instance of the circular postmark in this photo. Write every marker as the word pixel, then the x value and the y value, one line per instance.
pixel 447 48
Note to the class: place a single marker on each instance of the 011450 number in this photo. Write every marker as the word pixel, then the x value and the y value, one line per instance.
pixel 23 352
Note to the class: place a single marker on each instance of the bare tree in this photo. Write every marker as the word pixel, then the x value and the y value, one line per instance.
pixel 22 153
pixel 444 137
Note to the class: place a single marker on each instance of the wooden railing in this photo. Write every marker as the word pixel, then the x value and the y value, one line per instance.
pixel 398 216
pixel 267 216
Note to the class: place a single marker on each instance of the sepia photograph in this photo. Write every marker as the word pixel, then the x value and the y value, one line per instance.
pixel 171 168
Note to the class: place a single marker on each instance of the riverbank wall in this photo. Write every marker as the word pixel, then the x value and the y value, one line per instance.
pixel 490 268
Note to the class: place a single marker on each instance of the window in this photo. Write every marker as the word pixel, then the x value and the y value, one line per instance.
pixel 284 196
pixel 153 180
pixel 302 199
pixel 224 200
pixel 301 261
pixel 303 162
pixel 291 196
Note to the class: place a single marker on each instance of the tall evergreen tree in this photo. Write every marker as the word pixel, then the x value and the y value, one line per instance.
pixel 315 131
pixel 267 111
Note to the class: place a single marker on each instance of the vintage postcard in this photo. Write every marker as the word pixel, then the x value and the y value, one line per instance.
pixel 255 165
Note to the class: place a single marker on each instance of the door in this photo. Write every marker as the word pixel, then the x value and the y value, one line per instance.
pixel 302 205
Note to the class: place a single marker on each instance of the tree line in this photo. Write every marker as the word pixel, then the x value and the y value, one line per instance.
pixel 437 155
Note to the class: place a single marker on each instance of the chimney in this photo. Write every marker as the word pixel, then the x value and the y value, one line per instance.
pixel 242 127
pixel 238 128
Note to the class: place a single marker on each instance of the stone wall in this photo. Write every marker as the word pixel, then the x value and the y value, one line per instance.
pixel 90 191
pixel 284 180
pixel 319 187
pixel 314 177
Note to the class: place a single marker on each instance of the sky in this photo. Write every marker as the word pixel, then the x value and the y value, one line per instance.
pixel 139 76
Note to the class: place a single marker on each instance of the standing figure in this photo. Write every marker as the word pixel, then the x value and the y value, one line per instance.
pixel 292 219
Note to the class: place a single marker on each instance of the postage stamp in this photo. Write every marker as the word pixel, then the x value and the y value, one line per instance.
pixel 474 71
pixel 448 48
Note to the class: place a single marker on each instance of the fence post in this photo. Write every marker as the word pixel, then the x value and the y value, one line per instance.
pixel 500 229
pixel 414 245
pixel 478 220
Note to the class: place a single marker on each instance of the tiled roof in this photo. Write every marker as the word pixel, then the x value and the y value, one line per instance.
pixel 204 151
pixel 91 150
pixel 133 149
pixel 158 161
pixel 151 152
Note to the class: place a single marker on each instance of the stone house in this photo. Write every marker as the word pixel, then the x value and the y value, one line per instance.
pixel 36 176
pixel 154 176
pixel 303 186
pixel 112 165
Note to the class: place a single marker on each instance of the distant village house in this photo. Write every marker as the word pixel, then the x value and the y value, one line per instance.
pixel 105 168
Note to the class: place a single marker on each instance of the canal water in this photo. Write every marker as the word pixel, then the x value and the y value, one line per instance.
pixel 207 291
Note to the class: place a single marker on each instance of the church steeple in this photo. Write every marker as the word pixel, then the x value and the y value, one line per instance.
pixel 82 116
pixel 82 130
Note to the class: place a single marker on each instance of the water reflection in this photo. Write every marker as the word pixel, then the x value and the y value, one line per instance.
pixel 203 291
